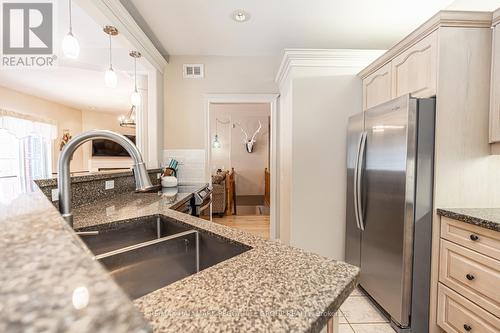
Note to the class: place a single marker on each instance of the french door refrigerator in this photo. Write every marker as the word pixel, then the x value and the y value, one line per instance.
pixel 390 159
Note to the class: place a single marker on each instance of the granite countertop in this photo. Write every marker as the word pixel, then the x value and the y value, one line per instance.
pixel 488 218
pixel 88 176
pixel 46 272
pixel 271 287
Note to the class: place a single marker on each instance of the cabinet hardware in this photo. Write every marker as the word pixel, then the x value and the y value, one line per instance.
pixel 474 237
pixel 467 327
pixel 470 277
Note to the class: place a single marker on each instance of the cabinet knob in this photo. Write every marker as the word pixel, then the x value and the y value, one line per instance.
pixel 467 327
pixel 474 237
pixel 470 277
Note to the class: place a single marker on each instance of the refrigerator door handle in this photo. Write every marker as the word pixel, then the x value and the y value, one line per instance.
pixel 355 188
pixel 358 190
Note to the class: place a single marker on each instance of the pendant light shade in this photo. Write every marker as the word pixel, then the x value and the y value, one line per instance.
pixel 70 45
pixel 135 98
pixel 216 143
pixel 110 78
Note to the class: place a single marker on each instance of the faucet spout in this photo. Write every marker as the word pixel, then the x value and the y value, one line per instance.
pixel 142 181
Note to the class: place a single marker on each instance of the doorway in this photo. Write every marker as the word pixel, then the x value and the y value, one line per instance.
pixel 241 148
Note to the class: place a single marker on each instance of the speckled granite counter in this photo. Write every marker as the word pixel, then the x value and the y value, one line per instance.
pixel 271 287
pixel 488 218
pixel 46 272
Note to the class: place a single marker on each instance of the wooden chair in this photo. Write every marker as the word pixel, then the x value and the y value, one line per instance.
pixel 231 193
pixel 267 190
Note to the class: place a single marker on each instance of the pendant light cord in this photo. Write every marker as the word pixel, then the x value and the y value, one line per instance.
pixel 135 73
pixel 110 54
pixel 70 20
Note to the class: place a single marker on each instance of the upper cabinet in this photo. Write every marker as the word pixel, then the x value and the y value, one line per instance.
pixel 495 81
pixel 414 70
pixel 416 64
pixel 377 87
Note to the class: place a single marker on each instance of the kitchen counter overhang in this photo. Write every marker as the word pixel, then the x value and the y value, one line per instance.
pixel 272 287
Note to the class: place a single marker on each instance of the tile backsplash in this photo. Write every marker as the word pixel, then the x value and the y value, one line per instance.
pixel 191 168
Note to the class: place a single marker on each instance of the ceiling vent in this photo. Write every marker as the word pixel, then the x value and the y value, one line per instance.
pixel 193 71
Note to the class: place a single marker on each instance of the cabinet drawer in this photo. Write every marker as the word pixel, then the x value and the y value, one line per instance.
pixel 473 275
pixel 476 238
pixel 377 87
pixel 458 315
pixel 414 71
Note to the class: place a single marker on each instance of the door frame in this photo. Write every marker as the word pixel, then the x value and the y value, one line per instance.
pixel 272 100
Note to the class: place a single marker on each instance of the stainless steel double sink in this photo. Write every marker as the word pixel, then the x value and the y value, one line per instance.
pixel 148 253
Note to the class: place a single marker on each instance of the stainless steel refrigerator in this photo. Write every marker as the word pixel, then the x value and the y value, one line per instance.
pixel 390 159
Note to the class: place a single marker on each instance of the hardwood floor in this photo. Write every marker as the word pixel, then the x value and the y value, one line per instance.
pixel 255 224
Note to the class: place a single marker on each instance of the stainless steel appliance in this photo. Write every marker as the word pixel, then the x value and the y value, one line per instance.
pixel 390 159
pixel 201 201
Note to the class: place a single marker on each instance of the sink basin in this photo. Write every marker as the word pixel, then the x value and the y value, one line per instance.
pixel 151 252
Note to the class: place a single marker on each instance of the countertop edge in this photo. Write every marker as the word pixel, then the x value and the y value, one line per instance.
pixel 461 214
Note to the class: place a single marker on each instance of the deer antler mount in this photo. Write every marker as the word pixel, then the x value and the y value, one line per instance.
pixel 249 144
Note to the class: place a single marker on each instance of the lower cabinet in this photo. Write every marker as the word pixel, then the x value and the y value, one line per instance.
pixel 469 278
pixel 456 314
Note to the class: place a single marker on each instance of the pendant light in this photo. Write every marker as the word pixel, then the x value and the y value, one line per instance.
pixel 110 76
pixel 129 119
pixel 217 144
pixel 70 45
pixel 135 98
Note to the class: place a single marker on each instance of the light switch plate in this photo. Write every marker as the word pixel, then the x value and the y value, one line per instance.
pixel 109 184
pixel 55 194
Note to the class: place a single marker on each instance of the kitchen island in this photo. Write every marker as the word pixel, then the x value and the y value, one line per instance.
pixel 45 265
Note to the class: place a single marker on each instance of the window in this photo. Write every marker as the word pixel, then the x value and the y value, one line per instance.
pixel 25 151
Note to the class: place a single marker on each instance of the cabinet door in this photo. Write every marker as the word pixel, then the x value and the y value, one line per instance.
pixel 377 87
pixel 415 70
pixel 495 88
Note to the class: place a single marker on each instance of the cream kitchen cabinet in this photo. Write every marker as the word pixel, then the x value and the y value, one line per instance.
pixel 377 87
pixel 414 70
pixel 495 82
pixel 469 277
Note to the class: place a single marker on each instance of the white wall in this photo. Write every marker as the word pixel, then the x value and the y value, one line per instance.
pixel 322 107
pixel 249 167
pixel 185 120
pixel 319 92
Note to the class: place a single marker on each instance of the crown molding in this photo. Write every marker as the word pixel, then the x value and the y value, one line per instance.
pixel 444 18
pixel 119 17
pixel 496 17
pixel 323 58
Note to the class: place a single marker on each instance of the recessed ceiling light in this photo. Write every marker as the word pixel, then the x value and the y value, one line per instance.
pixel 241 16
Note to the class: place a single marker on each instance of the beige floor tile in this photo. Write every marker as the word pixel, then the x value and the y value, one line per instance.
pixel 372 328
pixel 345 328
pixel 342 319
pixel 357 292
pixel 359 310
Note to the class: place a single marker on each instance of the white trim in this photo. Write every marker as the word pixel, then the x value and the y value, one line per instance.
pixel 119 17
pixel 272 99
pixel 335 58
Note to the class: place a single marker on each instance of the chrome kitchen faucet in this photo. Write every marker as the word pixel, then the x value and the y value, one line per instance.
pixel 142 181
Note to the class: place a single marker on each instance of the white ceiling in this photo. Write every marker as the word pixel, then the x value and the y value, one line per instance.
pixel 201 27
pixel 80 83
